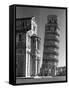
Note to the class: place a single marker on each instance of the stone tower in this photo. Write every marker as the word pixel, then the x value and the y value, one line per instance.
pixel 51 46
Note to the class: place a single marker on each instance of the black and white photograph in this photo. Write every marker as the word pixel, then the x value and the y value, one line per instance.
pixel 40 44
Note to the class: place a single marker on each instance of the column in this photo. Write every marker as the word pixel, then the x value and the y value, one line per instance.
pixel 36 59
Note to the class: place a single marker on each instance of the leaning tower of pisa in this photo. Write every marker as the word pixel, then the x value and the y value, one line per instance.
pixel 51 46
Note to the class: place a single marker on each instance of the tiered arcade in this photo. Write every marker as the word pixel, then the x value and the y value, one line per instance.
pixel 51 46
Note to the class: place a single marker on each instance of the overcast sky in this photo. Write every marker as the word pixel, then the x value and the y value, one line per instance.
pixel 41 18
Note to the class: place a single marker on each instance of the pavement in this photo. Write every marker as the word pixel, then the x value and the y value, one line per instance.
pixel 40 79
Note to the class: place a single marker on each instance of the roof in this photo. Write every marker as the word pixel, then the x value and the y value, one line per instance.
pixel 26 18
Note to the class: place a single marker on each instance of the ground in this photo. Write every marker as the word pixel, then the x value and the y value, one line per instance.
pixel 43 79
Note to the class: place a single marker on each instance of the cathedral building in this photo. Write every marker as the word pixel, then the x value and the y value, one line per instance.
pixel 27 48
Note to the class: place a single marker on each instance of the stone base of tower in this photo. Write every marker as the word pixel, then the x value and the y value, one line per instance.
pixel 48 70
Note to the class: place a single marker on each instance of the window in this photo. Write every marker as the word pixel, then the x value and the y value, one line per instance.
pixel 19 37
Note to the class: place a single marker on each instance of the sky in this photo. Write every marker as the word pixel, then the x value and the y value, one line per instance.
pixel 41 18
